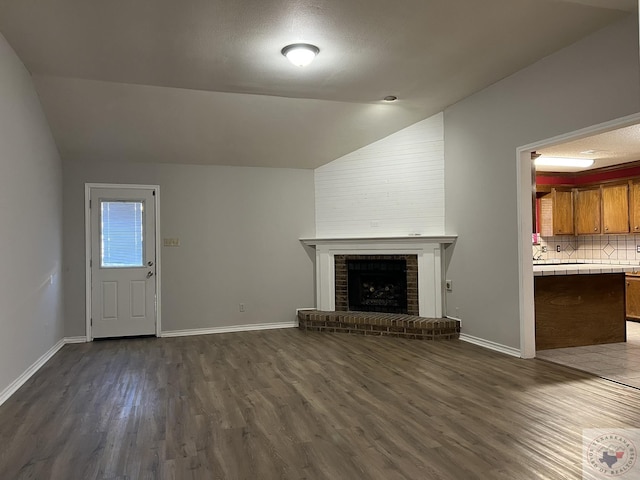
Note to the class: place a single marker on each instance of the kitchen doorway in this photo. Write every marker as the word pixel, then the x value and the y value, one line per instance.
pixel 526 195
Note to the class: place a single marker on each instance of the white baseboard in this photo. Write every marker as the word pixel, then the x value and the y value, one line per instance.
pixel 498 347
pixel 234 328
pixel 82 339
pixel 29 372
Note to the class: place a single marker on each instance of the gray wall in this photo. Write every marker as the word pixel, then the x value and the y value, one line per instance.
pixel 592 81
pixel 238 228
pixel 31 221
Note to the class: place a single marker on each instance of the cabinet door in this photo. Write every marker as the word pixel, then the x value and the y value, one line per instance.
pixel 562 212
pixel 633 297
pixel 588 211
pixel 615 209
pixel 634 214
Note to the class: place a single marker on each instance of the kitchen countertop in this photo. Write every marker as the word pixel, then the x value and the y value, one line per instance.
pixel 543 270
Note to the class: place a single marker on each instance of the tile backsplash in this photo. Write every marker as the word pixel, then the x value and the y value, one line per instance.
pixel 616 249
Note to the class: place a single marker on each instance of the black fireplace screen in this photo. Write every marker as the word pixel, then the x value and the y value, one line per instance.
pixel 377 285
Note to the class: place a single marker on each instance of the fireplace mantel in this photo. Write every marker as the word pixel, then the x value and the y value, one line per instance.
pixel 428 249
pixel 440 239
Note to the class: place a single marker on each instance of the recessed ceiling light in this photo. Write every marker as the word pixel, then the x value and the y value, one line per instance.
pixel 589 152
pixel 563 162
pixel 300 54
pixel 390 98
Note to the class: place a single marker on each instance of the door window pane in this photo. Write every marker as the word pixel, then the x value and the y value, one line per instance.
pixel 121 234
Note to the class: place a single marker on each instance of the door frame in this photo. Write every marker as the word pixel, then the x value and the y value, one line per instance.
pixel 87 244
pixel 525 223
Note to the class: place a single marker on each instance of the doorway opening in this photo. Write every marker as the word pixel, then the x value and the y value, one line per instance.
pixel 526 196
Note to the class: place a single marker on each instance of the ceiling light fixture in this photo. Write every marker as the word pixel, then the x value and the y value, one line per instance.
pixel 300 54
pixel 390 98
pixel 563 162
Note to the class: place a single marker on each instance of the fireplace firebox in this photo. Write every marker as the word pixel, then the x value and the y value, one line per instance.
pixel 377 285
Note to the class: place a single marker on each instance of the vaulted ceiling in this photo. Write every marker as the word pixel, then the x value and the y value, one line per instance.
pixel 203 81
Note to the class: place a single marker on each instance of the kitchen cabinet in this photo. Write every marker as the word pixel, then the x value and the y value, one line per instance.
pixel 633 296
pixel 562 212
pixel 587 211
pixel 615 208
pixel 578 310
pixel 634 206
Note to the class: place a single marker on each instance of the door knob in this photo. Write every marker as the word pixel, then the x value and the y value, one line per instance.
pixel 149 274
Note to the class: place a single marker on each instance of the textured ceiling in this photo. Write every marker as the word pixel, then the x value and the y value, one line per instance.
pixel 203 81
pixel 606 149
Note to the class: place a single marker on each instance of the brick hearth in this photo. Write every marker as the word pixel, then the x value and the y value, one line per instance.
pixel 370 323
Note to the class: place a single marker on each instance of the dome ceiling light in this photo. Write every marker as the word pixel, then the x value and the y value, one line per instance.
pixel 300 54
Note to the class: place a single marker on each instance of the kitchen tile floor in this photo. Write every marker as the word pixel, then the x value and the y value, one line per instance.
pixel 619 362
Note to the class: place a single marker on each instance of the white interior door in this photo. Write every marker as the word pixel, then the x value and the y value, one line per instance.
pixel 123 262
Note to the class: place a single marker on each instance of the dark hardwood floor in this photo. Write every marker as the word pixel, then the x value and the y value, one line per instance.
pixel 288 404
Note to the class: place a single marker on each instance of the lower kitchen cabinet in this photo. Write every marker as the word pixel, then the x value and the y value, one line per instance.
pixel 578 310
pixel 633 296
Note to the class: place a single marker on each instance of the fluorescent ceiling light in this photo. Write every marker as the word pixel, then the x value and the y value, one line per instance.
pixel 563 162
pixel 300 54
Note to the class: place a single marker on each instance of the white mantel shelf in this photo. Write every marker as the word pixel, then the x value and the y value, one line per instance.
pixel 428 249
pixel 442 239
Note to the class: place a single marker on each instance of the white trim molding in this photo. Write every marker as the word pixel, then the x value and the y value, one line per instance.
pixel 497 347
pixel 81 339
pixel 29 372
pixel 232 328
pixel 428 249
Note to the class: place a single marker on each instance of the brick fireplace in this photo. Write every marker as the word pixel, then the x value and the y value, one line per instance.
pixel 346 284
pixel 423 254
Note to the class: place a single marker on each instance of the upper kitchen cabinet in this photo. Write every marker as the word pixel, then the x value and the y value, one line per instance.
pixel 587 211
pixel 634 213
pixel 562 212
pixel 615 209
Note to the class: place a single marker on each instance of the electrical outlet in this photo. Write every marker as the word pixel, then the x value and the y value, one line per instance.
pixel 637 248
pixel 558 248
pixel 241 307
pixel 448 285
pixel 544 249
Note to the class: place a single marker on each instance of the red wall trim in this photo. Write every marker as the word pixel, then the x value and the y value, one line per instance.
pixel 585 178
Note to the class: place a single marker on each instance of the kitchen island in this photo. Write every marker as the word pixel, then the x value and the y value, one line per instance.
pixel 580 304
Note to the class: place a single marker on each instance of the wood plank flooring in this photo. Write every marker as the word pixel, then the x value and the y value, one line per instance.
pixel 285 404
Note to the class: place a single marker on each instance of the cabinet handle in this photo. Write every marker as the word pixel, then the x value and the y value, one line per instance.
pixel 637 227
pixel 606 229
pixel 595 229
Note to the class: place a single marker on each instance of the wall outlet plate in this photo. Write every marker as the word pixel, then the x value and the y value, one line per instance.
pixel 558 248
pixel 637 248
pixel 544 249
pixel 448 285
